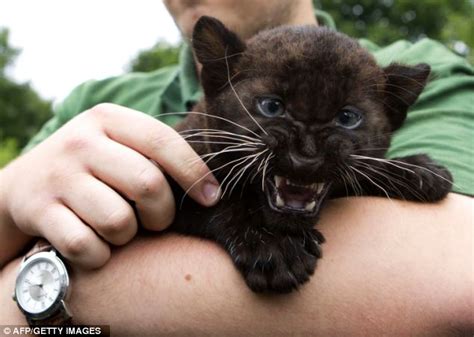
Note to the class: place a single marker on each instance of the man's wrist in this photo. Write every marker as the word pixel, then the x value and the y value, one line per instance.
pixel 9 312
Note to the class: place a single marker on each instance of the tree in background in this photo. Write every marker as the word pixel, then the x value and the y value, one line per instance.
pixel 22 111
pixel 162 54
pixel 385 21
pixel 7 53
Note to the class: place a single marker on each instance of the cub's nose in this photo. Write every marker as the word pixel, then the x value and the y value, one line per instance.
pixel 304 145
pixel 301 162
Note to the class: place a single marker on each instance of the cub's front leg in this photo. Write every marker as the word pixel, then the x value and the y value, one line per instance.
pixel 415 178
pixel 433 180
pixel 272 262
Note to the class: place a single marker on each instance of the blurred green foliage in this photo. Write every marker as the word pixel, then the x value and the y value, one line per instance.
pixel 162 54
pixel 385 21
pixel 22 111
pixel 7 53
pixel 8 150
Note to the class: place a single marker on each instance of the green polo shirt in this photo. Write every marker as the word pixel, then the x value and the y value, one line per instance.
pixel 441 123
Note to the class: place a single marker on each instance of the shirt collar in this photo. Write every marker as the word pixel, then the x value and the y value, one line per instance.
pixel 191 90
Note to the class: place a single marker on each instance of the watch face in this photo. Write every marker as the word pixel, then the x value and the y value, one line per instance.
pixel 39 285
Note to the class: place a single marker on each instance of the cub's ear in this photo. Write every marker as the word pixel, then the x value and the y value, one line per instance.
pixel 403 86
pixel 217 49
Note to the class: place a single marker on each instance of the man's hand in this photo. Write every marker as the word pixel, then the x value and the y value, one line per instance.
pixel 73 188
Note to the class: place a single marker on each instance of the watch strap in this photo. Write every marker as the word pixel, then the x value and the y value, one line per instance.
pixel 40 246
pixel 61 317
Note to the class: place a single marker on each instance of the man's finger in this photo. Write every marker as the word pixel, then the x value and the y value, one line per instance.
pixel 76 241
pixel 137 178
pixel 101 208
pixel 164 145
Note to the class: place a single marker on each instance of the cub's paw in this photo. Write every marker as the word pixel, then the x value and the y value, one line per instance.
pixel 279 265
pixel 433 181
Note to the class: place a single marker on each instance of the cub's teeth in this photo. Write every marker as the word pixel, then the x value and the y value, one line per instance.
pixel 279 201
pixel 320 187
pixel 310 206
pixel 278 181
pixel 317 187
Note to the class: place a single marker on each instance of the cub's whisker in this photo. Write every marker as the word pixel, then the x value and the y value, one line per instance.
pixel 210 116
pixel 208 173
pixel 238 175
pixel 224 181
pixel 217 131
pixel 212 142
pixel 371 149
pixel 242 171
pixel 423 168
pixel 353 180
pixel 204 136
pixel 386 176
pixel 388 161
pixel 343 180
pixel 392 161
pixel 271 155
pixel 259 169
pixel 393 180
pixel 237 96
pixel 212 155
pixel 373 182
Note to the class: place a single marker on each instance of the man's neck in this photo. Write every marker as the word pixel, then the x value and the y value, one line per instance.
pixel 303 14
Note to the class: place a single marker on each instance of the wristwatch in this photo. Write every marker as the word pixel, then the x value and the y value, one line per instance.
pixel 41 287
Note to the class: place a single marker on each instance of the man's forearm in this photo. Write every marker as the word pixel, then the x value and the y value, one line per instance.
pixel 381 274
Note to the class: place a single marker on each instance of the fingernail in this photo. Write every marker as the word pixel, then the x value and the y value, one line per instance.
pixel 210 191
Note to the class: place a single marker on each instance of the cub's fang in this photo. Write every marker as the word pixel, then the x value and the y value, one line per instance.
pixel 279 201
pixel 278 181
pixel 320 187
pixel 310 206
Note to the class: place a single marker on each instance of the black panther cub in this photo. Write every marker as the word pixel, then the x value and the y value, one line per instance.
pixel 293 116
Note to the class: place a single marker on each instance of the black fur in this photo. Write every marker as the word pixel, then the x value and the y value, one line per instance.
pixel 316 73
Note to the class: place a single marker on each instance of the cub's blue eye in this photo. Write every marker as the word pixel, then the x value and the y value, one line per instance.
pixel 349 118
pixel 270 107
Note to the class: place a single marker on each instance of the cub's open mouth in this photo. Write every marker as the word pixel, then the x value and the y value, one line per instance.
pixel 285 195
